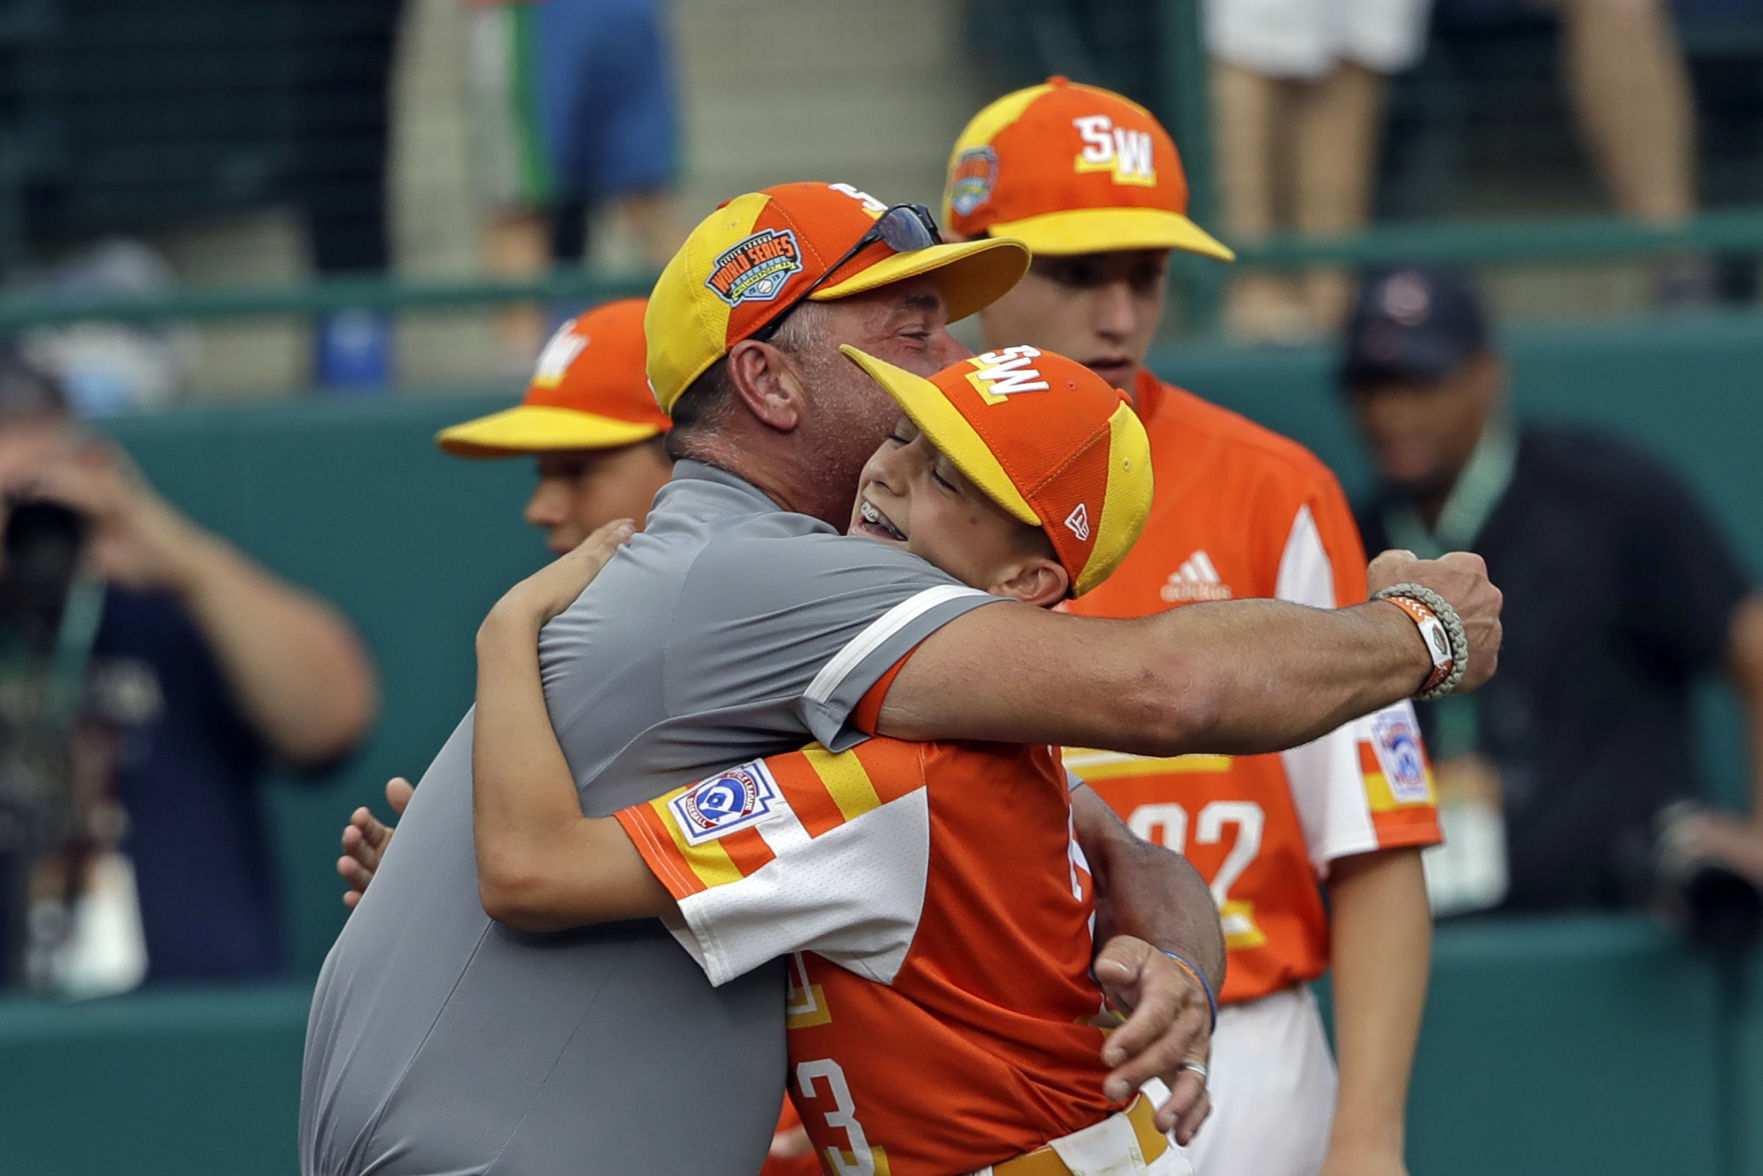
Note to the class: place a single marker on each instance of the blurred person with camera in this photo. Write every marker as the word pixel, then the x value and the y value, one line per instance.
pixel 228 669
pixel 1569 783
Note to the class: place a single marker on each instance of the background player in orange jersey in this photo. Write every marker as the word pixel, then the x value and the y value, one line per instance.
pixel 1092 183
pixel 937 886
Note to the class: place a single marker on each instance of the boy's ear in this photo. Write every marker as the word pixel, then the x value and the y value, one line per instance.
pixel 768 384
pixel 1037 580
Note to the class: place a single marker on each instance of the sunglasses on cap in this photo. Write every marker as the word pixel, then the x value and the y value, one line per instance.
pixel 904 228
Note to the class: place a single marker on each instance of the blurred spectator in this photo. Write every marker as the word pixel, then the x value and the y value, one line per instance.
pixel 1621 593
pixel 575 106
pixel 343 66
pixel 112 368
pixel 1630 93
pixel 1297 93
pixel 226 670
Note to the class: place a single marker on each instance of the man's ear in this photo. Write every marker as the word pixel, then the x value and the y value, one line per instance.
pixel 767 383
pixel 1037 580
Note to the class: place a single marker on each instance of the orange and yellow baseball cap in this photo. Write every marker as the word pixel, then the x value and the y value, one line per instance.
pixel 1045 438
pixel 751 260
pixel 588 391
pixel 1071 169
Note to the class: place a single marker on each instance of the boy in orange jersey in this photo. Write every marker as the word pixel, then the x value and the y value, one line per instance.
pixel 943 1014
pixel 1092 183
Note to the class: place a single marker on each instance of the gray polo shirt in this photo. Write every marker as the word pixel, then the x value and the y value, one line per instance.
pixel 442 1042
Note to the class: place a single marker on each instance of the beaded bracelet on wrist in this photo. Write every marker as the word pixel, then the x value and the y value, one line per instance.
pixel 1453 626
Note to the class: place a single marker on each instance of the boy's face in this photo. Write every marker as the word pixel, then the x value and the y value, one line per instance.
pixel 912 496
pixel 580 489
pixel 1101 309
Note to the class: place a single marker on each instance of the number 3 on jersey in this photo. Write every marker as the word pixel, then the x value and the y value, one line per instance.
pixel 1167 823
pixel 860 1159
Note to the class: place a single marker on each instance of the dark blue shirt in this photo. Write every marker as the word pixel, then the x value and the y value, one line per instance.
pixel 1620 591
pixel 188 776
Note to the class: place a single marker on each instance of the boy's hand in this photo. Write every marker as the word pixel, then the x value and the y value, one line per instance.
pixel 365 839
pixel 554 587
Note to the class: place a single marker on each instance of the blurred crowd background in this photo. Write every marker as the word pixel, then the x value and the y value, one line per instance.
pixel 268 247
pixel 191 147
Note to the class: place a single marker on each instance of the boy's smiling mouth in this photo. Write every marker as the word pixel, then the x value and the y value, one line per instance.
pixel 877 523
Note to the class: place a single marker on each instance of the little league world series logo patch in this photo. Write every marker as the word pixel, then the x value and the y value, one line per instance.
pixel 971 183
pixel 727 801
pixel 757 268
pixel 1397 744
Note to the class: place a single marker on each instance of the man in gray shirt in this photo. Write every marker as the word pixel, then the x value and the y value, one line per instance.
pixel 741 623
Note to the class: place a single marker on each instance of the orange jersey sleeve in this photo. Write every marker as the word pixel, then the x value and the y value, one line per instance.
pixel 1241 512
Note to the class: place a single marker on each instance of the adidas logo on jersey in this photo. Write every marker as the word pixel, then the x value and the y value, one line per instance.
pixel 1196 579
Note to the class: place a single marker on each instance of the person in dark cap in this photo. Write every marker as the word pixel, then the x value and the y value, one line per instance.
pixel 225 669
pixel 1621 593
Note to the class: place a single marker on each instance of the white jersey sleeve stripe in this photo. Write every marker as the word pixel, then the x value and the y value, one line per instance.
pixel 1324 774
pixel 1306 574
pixel 872 638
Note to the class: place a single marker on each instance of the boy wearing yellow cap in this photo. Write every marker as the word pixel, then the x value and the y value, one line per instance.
pixel 942 1014
pixel 1092 183
pixel 589 421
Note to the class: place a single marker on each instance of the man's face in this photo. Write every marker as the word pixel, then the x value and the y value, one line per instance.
pixel 906 324
pixel 1099 308
pixel 912 496
pixel 1422 432
pixel 581 489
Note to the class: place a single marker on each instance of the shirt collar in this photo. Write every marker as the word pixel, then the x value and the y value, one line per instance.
pixel 690 469
pixel 1479 488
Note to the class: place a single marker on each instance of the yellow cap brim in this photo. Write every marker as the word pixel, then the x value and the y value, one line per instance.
pixel 538 429
pixel 1106 230
pixel 924 403
pixel 971 274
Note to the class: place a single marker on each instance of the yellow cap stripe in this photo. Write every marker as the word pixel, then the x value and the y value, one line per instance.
pixel 710 861
pixel 986 126
pixel 1126 503
pixel 846 781
pixel 685 324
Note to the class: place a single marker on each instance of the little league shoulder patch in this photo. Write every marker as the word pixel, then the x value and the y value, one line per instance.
pixel 1396 741
pixel 971 181
pixel 732 799
pixel 756 269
